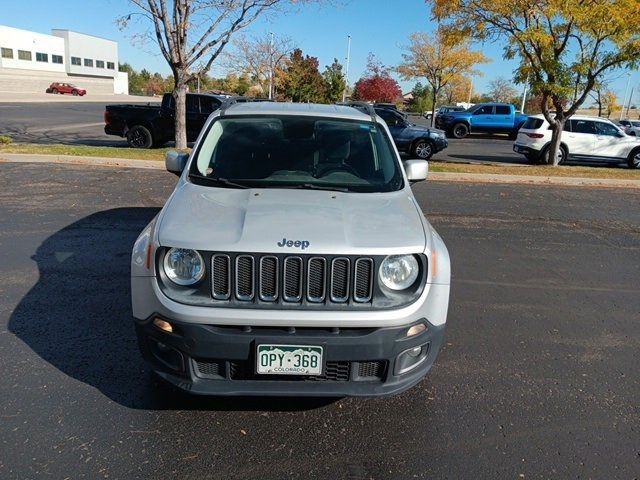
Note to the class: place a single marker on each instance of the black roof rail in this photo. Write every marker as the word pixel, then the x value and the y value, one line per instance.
pixel 226 104
pixel 367 106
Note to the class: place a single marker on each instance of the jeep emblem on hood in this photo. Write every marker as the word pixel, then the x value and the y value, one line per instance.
pixel 293 243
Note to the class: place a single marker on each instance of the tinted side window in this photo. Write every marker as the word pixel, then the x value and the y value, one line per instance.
pixel 503 110
pixel 532 123
pixel 208 105
pixel 193 105
pixel 606 129
pixel 582 126
pixel 390 118
pixel 486 110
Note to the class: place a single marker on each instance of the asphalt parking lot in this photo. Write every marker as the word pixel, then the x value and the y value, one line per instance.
pixel 82 123
pixel 538 377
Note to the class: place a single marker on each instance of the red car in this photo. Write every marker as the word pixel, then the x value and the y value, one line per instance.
pixel 56 88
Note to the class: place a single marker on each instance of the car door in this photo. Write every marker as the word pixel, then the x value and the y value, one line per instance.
pixel 581 137
pixel 482 118
pixel 207 106
pixel 503 118
pixel 609 141
pixel 194 123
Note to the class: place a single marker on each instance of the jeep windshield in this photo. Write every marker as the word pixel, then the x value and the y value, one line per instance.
pixel 296 152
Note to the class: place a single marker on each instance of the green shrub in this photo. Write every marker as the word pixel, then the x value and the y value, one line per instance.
pixel 5 140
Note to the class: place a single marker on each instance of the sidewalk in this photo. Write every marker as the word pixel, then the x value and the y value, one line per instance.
pixel 433 176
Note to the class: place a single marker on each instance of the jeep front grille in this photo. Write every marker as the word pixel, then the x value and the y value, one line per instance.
pixel 246 278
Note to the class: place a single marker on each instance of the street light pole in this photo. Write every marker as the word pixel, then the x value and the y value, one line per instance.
pixel 271 66
pixel 524 98
pixel 624 100
pixel 346 71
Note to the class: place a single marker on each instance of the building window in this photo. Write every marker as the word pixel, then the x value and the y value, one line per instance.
pixel 42 57
pixel 99 63
pixel 56 58
pixel 76 61
pixel 111 66
pixel 24 55
pixel 88 62
pixel 7 52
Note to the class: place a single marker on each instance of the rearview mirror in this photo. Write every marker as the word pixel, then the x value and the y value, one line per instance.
pixel 176 161
pixel 416 170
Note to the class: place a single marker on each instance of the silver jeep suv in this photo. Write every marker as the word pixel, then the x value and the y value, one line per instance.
pixel 291 259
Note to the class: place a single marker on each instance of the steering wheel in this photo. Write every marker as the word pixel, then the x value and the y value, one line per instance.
pixel 333 167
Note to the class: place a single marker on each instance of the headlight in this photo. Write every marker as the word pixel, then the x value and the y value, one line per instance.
pixel 398 272
pixel 183 266
pixel 436 134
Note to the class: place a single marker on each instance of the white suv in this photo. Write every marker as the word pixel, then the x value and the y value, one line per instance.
pixel 584 138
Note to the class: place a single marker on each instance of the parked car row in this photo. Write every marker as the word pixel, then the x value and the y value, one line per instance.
pixel 147 126
pixel 585 138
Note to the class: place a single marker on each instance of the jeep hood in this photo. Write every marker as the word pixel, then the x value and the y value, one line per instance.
pixel 256 220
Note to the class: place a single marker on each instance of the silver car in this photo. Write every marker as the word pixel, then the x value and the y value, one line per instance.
pixel 291 259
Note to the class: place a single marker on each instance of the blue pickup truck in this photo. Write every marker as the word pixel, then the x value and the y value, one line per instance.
pixel 485 118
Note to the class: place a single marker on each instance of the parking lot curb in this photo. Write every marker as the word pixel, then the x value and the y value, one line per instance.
pixel 534 180
pixel 76 160
pixel 435 176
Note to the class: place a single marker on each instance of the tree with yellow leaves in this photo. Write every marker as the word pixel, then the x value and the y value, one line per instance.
pixel 564 46
pixel 610 101
pixel 460 89
pixel 441 58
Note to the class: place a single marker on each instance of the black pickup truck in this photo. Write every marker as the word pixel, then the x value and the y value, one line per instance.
pixel 146 126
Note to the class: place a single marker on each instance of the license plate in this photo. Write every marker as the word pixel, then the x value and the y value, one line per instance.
pixel 518 149
pixel 289 360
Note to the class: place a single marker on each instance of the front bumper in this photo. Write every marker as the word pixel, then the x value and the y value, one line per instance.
pixel 439 144
pixel 221 360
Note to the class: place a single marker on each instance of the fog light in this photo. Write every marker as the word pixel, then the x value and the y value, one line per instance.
pixel 416 330
pixel 162 325
pixel 410 359
pixel 414 352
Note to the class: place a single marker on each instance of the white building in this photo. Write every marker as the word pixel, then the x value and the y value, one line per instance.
pixel 30 61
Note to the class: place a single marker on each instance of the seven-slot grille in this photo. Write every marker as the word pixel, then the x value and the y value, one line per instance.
pixel 291 279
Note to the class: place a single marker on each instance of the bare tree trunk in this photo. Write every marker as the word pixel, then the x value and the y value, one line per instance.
pixel 554 146
pixel 434 95
pixel 180 115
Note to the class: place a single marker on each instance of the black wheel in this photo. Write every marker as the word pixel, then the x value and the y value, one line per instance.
pixel 634 159
pixel 74 93
pixel 54 91
pixel 513 134
pixel 139 137
pixel 422 149
pixel 562 154
pixel 460 130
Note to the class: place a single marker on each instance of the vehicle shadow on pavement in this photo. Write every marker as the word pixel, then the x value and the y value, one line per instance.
pixel 78 317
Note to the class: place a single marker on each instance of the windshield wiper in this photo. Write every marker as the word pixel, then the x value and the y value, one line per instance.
pixel 312 186
pixel 218 180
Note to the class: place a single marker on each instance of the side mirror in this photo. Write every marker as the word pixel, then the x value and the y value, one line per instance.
pixel 176 161
pixel 416 170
